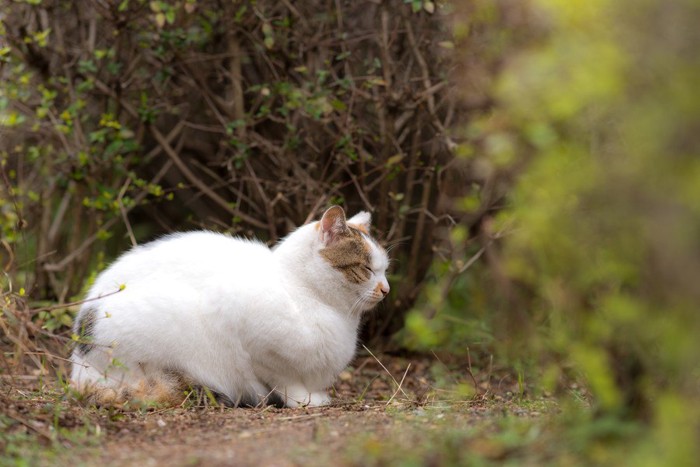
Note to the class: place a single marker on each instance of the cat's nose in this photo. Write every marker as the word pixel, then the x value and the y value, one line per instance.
pixel 384 288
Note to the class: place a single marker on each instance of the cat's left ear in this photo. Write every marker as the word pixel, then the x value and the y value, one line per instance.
pixel 333 224
pixel 361 220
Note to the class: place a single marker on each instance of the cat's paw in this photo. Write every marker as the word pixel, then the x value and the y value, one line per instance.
pixel 318 399
pixel 299 397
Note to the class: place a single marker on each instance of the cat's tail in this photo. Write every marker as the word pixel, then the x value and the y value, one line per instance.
pixel 116 384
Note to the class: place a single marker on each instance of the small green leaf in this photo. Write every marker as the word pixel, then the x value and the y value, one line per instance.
pixel 170 16
pixel 394 160
pixel 160 20
pixel 339 105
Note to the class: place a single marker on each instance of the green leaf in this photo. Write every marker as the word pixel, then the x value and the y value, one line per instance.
pixel 170 15
pixel 395 159
pixel 339 105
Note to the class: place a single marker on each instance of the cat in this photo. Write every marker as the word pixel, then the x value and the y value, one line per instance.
pixel 252 324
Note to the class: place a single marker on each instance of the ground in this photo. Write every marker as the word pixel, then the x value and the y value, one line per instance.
pixel 386 409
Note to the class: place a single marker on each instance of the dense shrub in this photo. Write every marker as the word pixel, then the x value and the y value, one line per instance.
pixel 122 120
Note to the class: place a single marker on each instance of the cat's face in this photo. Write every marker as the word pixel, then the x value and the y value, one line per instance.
pixel 350 250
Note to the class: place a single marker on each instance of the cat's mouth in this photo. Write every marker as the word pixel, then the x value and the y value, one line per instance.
pixel 376 298
pixel 379 296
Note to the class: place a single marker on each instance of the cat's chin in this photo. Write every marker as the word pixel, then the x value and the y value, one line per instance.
pixel 372 303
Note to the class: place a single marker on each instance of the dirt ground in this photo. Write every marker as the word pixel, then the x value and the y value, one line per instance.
pixel 379 403
pixel 241 437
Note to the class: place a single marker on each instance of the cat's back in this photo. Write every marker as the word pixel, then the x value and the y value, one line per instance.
pixel 202 245
pixel 198 258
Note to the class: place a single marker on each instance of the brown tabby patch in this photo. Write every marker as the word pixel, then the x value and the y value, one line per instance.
pixel 351 255
pixel 163 388
pixel 361 228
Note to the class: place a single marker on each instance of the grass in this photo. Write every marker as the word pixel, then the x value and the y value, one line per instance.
pixel 40 427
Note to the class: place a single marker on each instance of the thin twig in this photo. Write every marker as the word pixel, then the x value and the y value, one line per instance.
pixel 469 368
pixel 301 417
pixel 490 372
pixel 10 253
pixel 122 192
pixel 472 260
pixel 400 384
pixel 52 356
pixel 43 433
pixel 385 369
pixel 79 302
pixel 266 201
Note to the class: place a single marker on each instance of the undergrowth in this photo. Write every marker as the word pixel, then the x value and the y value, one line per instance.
pixel 433 419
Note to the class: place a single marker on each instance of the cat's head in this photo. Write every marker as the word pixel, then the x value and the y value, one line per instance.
pixel 347 247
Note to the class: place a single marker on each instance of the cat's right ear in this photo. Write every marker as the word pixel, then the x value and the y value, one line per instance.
pixel 332 224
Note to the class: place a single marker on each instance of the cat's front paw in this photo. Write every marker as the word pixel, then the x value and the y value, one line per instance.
pixel 318 399
pixel 302 398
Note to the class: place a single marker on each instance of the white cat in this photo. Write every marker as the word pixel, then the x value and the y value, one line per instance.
pixel 253 324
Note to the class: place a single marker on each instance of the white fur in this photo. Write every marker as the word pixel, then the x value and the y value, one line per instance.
pixel 230 314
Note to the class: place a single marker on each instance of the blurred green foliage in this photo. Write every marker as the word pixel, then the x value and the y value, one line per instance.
pixel 597 124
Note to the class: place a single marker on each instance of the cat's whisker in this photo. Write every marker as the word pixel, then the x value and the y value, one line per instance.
pixel 393 245
pixel 358 305
pixel 368 297
pixel 365 299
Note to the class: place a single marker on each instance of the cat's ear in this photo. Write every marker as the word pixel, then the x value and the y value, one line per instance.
pixel 361 220
pixel 333 224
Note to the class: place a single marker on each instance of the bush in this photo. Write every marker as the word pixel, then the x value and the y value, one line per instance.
pixel 124 120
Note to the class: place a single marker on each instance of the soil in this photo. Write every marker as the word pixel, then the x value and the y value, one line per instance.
pixel 371 398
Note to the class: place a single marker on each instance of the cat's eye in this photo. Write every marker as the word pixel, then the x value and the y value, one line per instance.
pixel 368 269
